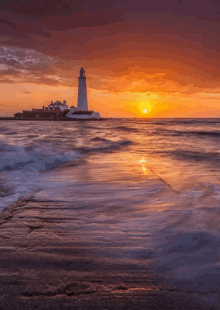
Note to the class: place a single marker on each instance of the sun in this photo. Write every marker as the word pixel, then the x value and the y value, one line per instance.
pixel 145 111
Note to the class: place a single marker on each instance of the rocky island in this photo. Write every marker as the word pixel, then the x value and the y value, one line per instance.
pixel 59 110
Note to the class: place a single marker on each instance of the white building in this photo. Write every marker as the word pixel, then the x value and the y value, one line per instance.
pixel 62 105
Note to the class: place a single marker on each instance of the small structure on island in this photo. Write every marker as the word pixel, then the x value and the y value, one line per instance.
pixel 62 106
pixel 72 109
pixel 59 110
pixel 54 110
pixel 82 112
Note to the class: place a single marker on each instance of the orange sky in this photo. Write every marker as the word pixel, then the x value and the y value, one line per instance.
pixel 160 56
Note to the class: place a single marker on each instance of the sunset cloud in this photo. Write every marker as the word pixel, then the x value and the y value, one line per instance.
pixel 166 49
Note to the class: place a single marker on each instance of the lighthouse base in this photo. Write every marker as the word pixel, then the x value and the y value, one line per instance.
pixel 83 115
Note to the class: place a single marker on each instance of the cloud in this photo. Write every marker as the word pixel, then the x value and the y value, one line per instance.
pixel 169 48
pixel 21 27
pixel 23 65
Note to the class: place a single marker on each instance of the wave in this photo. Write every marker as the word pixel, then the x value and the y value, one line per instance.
pixel 38 158
pixel 197 133
pixel 127 129
pixel 21 168
pixel 190 258
pixel 184 121
pixel 5 189
pixel 99 139
pixel 195 155
pixel 204 133
pixel 106 145
pixel 24 166
pixel 44 156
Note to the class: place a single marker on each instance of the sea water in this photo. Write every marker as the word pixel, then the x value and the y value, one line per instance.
pixel 141 189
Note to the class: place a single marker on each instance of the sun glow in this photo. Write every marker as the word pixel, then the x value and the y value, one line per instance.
pixel 143 163
pixel 145 111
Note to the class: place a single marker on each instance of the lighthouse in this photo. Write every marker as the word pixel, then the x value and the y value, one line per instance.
pixel 82 104
pixel 82 112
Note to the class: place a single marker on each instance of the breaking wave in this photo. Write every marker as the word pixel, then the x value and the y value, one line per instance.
pixel 17 158
pixel 23 166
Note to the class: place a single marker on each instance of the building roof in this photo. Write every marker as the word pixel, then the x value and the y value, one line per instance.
pixel 57 103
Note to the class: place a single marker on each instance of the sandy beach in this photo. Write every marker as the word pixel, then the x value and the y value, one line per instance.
pixel 47 262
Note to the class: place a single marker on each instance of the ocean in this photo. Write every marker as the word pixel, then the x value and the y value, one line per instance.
pixel 146 191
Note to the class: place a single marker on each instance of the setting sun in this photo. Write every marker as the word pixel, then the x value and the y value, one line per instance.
pixel 145 111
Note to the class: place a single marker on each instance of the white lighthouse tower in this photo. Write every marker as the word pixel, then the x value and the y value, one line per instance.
pixel 82 112
pixel 82 104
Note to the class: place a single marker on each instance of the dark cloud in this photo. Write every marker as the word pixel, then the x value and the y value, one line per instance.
pixel 55 8
pixel 176 41
pixel 43 8
pixel 10 71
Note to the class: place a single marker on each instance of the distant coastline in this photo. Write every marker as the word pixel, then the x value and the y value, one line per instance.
pixel 2 118
pixel 49 119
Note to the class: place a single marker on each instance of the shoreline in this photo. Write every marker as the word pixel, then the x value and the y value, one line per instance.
pixel 47 261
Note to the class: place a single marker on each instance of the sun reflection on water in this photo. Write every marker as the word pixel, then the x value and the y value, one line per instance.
pixel 143 163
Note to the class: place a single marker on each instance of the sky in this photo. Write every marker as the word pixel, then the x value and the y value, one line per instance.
pixel 151 58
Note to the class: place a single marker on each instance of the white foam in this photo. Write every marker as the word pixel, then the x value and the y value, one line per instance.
pixel 21 169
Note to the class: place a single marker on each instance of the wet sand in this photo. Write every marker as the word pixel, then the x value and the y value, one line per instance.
pixel 47 261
